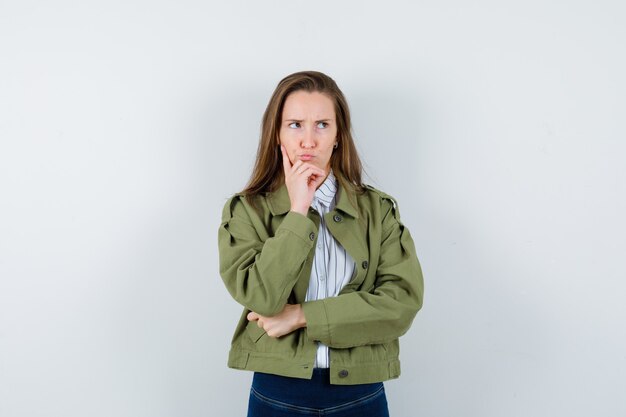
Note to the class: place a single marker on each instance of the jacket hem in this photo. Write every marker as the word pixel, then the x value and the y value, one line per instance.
pixel 340 374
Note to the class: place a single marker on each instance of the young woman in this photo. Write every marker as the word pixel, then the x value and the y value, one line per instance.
pixel 325 270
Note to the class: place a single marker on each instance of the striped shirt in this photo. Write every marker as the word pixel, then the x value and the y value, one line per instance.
pixel 332 265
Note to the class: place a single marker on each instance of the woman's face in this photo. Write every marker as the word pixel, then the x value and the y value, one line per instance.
pixel 308 128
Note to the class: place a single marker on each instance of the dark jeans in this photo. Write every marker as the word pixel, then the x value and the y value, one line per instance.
pixel 280 396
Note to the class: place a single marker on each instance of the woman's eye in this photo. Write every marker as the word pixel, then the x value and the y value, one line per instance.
pixel 294 125
pixel 322 125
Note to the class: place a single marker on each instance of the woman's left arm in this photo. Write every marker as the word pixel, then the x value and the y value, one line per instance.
pixel 383 314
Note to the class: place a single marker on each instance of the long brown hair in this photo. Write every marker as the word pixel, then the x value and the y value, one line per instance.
pixel 268 174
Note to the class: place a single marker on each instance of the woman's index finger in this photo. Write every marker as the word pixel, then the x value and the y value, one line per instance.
pixel 286 162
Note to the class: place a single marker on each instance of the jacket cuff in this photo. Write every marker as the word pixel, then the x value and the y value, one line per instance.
pixel 317 326
pixel 300 225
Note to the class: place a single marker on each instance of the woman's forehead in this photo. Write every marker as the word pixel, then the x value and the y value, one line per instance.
pixel 302 105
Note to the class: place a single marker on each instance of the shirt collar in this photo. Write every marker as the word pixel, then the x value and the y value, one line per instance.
pixel 279 202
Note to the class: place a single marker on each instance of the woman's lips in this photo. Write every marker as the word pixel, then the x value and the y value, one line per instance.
pixel 305 157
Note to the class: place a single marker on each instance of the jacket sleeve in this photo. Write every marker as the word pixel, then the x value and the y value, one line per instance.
pixel 385 312
pixel 248 263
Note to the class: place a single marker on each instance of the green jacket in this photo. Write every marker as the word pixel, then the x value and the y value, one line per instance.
pixel 265 261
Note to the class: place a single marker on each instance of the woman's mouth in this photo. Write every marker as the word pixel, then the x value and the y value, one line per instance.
pixel 305 157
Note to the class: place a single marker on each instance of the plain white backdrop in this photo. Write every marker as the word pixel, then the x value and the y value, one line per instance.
pixel 125 125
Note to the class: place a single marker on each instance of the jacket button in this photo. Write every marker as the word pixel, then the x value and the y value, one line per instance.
pixel 343 373
pixel 312 236
pixel 337 218
pixel 364 264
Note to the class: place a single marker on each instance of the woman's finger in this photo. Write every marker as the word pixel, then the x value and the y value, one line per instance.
pixel 316 180
pixel 308 170
pixel 304 165
pixel 296 166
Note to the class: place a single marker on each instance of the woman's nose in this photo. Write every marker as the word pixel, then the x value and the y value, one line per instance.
pixel 308 140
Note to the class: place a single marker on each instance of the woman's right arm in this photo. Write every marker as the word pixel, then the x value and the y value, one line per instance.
pixel 260 274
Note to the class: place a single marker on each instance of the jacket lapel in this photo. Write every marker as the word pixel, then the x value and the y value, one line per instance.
pixel 350 231
pixel 343 223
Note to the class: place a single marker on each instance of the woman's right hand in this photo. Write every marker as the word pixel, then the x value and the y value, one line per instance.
pixel 302 179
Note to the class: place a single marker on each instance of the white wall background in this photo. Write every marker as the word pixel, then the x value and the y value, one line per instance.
pixel 498 125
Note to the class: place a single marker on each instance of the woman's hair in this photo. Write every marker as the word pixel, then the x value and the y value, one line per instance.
pixel 268 173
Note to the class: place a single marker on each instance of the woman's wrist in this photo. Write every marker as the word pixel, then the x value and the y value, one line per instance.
pixel 300 210
pixel 301 319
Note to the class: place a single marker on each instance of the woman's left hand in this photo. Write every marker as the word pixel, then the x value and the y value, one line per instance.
pixel 290 319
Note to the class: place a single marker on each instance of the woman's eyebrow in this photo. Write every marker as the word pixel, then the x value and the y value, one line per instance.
pixel 301 120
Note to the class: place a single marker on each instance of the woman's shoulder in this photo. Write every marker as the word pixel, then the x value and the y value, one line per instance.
pixel 371 190
pixel 376 198
pixel 243 205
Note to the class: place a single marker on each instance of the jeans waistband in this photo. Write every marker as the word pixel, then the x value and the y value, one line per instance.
pixel 316 392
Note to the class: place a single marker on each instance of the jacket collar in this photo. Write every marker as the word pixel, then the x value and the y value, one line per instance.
pixel 279 202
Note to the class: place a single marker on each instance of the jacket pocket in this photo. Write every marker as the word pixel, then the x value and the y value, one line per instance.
pixel 377 352
pixel 254 331
pixel 392 349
